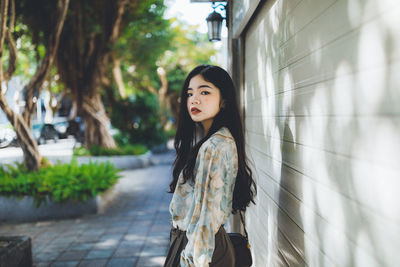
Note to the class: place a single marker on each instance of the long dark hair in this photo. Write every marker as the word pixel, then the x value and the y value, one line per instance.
pixel 228 116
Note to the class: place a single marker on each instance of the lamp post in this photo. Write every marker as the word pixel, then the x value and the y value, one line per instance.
pixel 214 24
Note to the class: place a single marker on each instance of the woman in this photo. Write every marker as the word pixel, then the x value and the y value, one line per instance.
pixel 211 178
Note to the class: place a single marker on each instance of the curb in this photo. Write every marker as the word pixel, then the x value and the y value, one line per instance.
pixel 13 209
pixel 120 162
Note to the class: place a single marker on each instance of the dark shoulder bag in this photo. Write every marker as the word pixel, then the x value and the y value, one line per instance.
pixel 241 247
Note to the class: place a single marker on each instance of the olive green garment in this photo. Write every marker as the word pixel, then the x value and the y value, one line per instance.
pixel 223 255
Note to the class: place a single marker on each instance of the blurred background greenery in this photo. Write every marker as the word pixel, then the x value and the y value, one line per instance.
pixel 117 66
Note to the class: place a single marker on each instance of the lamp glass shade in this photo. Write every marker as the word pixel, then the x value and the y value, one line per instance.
pixel 214 24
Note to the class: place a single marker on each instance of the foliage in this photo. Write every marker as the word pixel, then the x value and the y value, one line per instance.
pixel 137 120
pixel 93 150
pixel 59 182
pixel 31 33
pixel 189 48
pixel 171 133
pixel 146 35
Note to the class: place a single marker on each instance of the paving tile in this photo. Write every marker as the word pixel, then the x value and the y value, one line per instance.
pixel 106 244
pixel 46 256
pixel 123 252
pixel 153 251
pixel 117 230
pixel 64 264
pixel 135 237
pixel 99 254
pixel 41 264
pixel 72 255
pixel 134 243
pixel 94 232
pixel 111 237
pixel 151 242
pixel 160 228
pixel 37 248
pixel 93 263
pixel 122 262
pixel 87 238
pixel 61 241
pixel 151 261
pixel 122 223
pixel 55 247
pixel 138 229
pixel 81 246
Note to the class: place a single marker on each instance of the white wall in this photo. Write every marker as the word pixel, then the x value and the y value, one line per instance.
pixel 322 104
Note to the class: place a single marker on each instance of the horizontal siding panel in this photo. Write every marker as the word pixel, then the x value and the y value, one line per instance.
pixel 362 94
pixel 373 139
pixel 320 236
pixel 304 14
pixel 349 54
pixel 300 241
pixel 357 180
pixel 330 206
pixel 289 255
pixel 330 26
pixel 260 236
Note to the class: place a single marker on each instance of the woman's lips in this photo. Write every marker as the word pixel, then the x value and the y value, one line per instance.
pixel 195 111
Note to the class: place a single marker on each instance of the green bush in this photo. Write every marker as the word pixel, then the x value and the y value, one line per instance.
pixel 100 151
pixel 138 121
pixel 59 182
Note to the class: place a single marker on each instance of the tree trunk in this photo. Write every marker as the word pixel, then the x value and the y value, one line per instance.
pixel 164 111
pixel 174 103
pixel 117 74
pixel 83 60
pixel 29 147
pixel 96 122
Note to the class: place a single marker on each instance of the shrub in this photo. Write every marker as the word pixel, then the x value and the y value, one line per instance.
pixel 59 183
pixel 100 151
pixel 138 121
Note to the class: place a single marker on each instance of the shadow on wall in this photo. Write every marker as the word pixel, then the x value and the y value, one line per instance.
pixel 292 243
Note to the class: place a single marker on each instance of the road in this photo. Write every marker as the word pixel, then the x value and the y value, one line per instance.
pixel 61 149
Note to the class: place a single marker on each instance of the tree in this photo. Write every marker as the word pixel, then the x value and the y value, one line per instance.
pixel 21 124
pixel 145 35
pixel 91 29
pixel 190 48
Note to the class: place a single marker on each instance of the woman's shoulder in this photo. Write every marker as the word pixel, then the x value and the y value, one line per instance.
pixel 220 140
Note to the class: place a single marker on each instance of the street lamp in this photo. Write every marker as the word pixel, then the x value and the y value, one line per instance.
pixel 214 24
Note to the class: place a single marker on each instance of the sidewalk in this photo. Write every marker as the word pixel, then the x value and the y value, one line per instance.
pixel 134 230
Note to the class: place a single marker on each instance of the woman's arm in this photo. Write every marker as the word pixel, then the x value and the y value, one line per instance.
pixel 214 182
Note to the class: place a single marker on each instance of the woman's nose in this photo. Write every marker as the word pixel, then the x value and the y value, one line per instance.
pixel 195 101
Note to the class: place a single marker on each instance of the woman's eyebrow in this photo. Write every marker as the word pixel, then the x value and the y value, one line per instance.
pixel 201 86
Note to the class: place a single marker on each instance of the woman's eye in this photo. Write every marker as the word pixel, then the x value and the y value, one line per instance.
pixel 189 94
pixel 205 93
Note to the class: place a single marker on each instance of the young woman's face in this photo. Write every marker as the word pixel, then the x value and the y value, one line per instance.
pixel 203 101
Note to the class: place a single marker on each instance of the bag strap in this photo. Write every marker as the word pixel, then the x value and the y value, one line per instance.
pixel 244 225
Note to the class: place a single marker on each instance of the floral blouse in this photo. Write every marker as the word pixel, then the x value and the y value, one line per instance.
pixel 200 207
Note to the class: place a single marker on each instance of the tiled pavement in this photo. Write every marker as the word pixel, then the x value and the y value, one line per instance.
pixel 133 231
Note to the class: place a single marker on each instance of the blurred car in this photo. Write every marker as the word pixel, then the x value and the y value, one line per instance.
pixel 61 125
pixel 48 132
pixel 42 132
pixel 76 128
pixel 7 135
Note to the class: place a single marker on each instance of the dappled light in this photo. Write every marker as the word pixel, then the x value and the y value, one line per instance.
pixel 321 104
